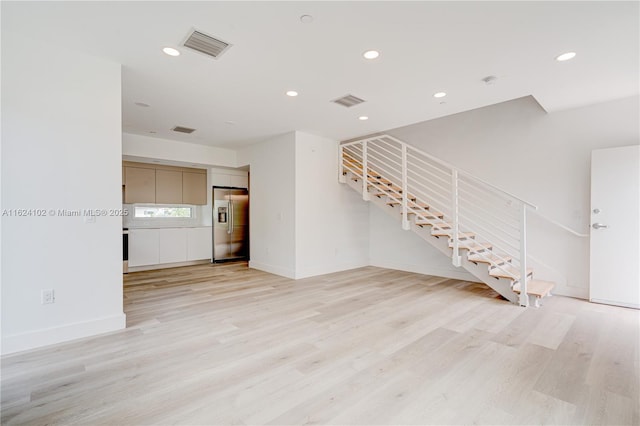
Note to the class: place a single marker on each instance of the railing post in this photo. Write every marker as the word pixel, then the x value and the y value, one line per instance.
pixel 365 173
pixel 341 177
pixel 524 297
pixel 405 190
pixel 455 205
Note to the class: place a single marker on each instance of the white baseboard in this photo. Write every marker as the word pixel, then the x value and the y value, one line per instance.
pixel 273 269
pixel 167 265
pixel 312 271
pixel 565 290
pixel 424 269
pixel 49 336
pixel 616 303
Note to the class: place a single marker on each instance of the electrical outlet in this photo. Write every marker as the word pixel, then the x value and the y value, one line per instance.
pixel 47 296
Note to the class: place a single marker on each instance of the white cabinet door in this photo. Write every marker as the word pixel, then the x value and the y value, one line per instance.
pixel 172 245
pixel 198 243
pixel 219 179
pixel 240 181
pixel 143 247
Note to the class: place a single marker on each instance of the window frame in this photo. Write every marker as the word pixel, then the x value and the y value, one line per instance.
pixel 162 221
pixel 157 207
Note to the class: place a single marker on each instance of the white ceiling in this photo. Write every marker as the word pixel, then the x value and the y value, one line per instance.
pixel 425 47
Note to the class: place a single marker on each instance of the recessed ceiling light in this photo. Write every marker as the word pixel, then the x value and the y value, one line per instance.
pixel 565 56
pixel 439 95
pixel 230 123
pixel 142 104
pixel 171 51
pixel 292 93
pixel 363 118
pixel 306 19
pixel 371 54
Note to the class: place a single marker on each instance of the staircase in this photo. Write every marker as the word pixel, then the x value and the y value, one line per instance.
pixel 479 226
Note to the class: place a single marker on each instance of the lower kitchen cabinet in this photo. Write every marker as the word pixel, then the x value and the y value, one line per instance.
pixel 158 246
pixel 173 245
pixel 198 243
pixel 144 247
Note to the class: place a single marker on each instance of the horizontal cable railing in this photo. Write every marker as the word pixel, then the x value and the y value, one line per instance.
pixel 445 197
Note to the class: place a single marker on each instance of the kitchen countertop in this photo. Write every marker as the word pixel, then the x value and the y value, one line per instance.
pixel 165 227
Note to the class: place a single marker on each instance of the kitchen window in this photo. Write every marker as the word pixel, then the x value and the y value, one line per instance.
pixel 153 212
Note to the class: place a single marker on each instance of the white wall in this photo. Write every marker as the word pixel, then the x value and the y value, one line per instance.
pixel 173 151
pixel 303 222
pixel 542 158
pixel 332 221
pixel 61 143
pixel 272 204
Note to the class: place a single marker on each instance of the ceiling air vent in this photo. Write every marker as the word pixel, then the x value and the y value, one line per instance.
pixel 183 129
pixel 208 45
pixel 348 101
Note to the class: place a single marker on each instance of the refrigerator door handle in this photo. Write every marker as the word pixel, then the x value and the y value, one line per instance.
pixel 229 217
pixel 233 225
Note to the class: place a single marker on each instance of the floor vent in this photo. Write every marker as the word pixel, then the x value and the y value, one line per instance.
pixel 183 129
pixel 210 46
pixel 348 101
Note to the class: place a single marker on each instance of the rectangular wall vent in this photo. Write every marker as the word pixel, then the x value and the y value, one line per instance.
pixel 348 101
pixel 206 44
pixel 183 129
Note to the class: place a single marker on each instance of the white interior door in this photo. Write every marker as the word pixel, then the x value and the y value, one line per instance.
pixel 615 226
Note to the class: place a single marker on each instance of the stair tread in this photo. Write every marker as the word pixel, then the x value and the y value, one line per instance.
pixel 436 231
pixel 428 218
pixel 471 245
pixel 384 187
pixel 395 202
pixel 491 258
pixel 508 271
pixel 383 180
pixel 536 287
pixel 418 205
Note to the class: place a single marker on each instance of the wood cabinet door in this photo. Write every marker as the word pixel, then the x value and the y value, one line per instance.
pixel 168 187
pixel 194 188
pixel 140 185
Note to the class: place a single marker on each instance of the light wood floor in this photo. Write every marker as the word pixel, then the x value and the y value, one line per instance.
pixel 229 345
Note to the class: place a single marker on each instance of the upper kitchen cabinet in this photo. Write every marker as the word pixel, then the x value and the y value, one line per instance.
pixel 169 187
pixel 159 184
pixel 194 188
pixel 140 185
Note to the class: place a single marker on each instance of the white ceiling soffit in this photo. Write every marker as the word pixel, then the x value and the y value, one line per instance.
pixel 425 47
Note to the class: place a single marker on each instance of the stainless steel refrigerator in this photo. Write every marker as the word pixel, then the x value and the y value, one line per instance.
pixel 230 224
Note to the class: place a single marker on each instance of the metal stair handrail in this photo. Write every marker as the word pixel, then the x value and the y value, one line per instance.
pixel 445 164
pixel 413 176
